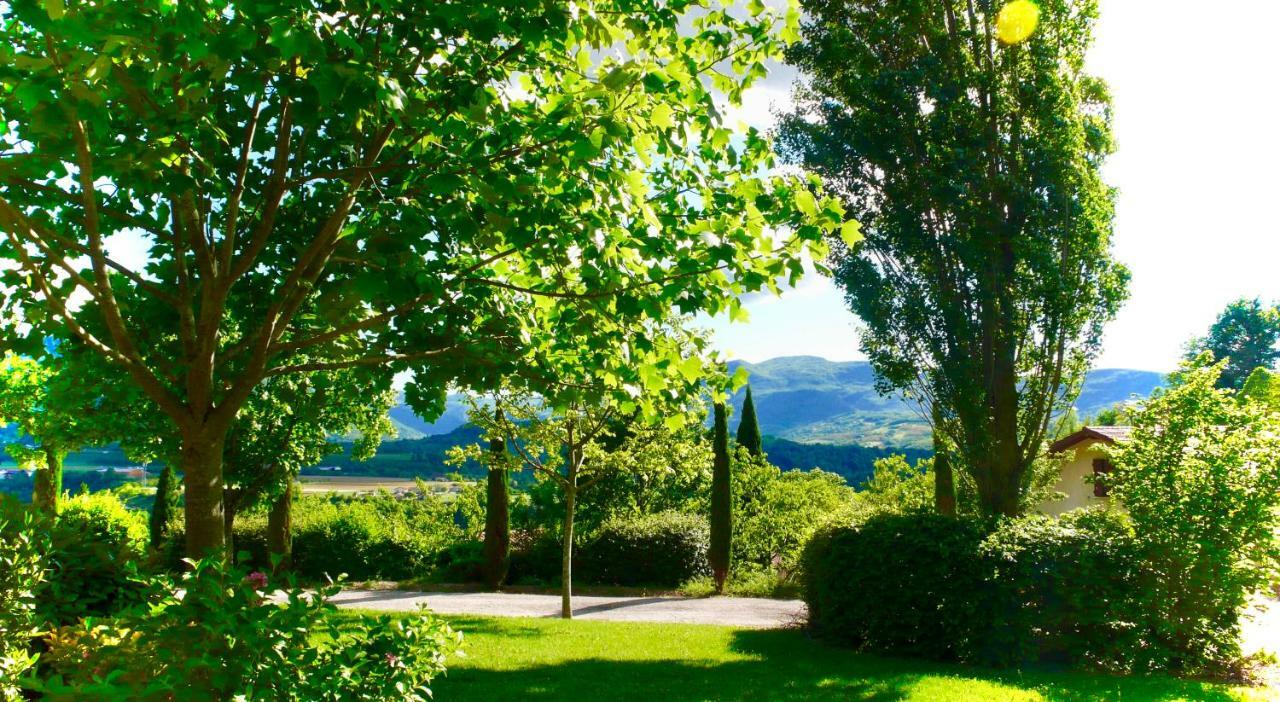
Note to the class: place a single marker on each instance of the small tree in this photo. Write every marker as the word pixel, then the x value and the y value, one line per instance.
pixel 497 519
pixel 721 499
pixel 1201 480
pixel 571 446
pixel 55 414
pixel 749 427
pixel 1246 335
pixel 164 507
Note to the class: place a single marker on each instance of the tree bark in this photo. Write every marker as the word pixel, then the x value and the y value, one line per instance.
pixel 202 486
pixel 497 528
pixel 944 481
pixel 280 529
pixel 48 484
pixel 566 558
pixel 721 518
pixel 230 502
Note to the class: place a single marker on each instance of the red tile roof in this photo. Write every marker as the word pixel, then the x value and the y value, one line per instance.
pixel 1109 435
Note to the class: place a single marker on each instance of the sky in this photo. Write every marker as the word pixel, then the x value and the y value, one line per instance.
pixel 1197 121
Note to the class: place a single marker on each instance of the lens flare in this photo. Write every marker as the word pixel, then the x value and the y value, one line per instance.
pixel 1017 21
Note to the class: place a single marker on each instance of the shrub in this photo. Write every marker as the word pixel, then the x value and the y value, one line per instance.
pixel 902 584
pixel 535 557
pixel 1201 480
pixel 664 549
pixel 95 546
pixel 21 572
pixel 463 562
pixel 1065 590
pixel 222 640
pixel 367 538
pixel 776 516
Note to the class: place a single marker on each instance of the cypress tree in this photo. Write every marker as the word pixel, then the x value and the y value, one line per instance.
pixel 497 523
pixel 163 508
pixel 749 428
pixel 48 484
pixel 280 529
pixel 944 482
pixel 721 501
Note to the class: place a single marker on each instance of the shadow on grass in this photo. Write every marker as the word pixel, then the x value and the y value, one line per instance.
pixel 778 665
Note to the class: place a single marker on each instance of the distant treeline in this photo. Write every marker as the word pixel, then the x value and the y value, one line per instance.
pixel 425 457
pixel 854 463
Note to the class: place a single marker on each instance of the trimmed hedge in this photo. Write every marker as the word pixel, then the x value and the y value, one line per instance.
pixel 1024 590
pixel 664 550
pixel 900 584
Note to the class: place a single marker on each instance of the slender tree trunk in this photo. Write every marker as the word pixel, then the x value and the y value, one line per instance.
pixel 229 509
pixel 48 484
pixel 721 547
pixel 944 482
pixel 280 529
pixel 566 558
pixel 202 488
pixel 497 527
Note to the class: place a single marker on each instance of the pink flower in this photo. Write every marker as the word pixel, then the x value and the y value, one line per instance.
pixel 393 660
pixel 257 579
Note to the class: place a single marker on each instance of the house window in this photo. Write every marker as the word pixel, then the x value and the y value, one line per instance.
pixel 1101 466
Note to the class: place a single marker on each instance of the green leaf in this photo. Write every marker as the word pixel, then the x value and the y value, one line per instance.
pixel 55 8
pixel 662 116
pixel 851 233
pixel 806 203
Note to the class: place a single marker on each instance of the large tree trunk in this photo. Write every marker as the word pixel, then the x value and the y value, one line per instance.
pixel 280 529
pixel 566 557
pixel 48 484
pixel 202 488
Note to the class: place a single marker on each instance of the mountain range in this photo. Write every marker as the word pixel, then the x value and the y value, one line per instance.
pixel 810 400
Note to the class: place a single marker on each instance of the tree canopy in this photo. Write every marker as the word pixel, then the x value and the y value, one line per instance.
pixel 1246 335
pixel 474 191
pixel 986 274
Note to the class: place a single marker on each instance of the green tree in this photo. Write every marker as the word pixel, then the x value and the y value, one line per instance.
pixel 54 413
pixel 985 277
pixel 1246 335
pixel 1195 450
pixel 721 500
pixel 472 191
pixel 497 519
pixel 572 447
pixel 164 506
pixel 749 427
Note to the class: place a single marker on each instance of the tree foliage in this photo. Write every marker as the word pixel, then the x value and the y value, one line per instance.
pixel 1200 479
pixel 985 276
pixel 1246 335
pixel 749 427
pixel 471 190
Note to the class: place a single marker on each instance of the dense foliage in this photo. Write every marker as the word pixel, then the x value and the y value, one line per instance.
pixel 96 546
pixel 986 276
pixel 208 635
pixel 666 549
pixel 1200 478
pixel 1246 335
pixel 22 571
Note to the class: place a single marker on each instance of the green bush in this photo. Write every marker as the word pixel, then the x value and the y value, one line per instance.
pixel 900 584
pixel 21 572
pixel 367 538
pixel 219 642
pixel 1065 590
pixel 664 550
pixel 535 557
pixel 95 546
pixel 462 562
pixel 776 513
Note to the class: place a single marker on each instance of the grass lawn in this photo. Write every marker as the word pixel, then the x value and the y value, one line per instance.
pixel 548 659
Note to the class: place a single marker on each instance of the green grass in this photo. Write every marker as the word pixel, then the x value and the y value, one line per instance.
pixel 547 659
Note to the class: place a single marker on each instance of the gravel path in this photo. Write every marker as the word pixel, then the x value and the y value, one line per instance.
pixel 728 611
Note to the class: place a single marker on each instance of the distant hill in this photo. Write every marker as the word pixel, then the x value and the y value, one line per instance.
pixel 810 400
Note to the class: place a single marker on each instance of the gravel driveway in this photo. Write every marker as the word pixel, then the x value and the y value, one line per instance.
pixel 728 611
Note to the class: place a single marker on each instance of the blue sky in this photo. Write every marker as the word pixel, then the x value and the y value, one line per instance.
pixel 1196 118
